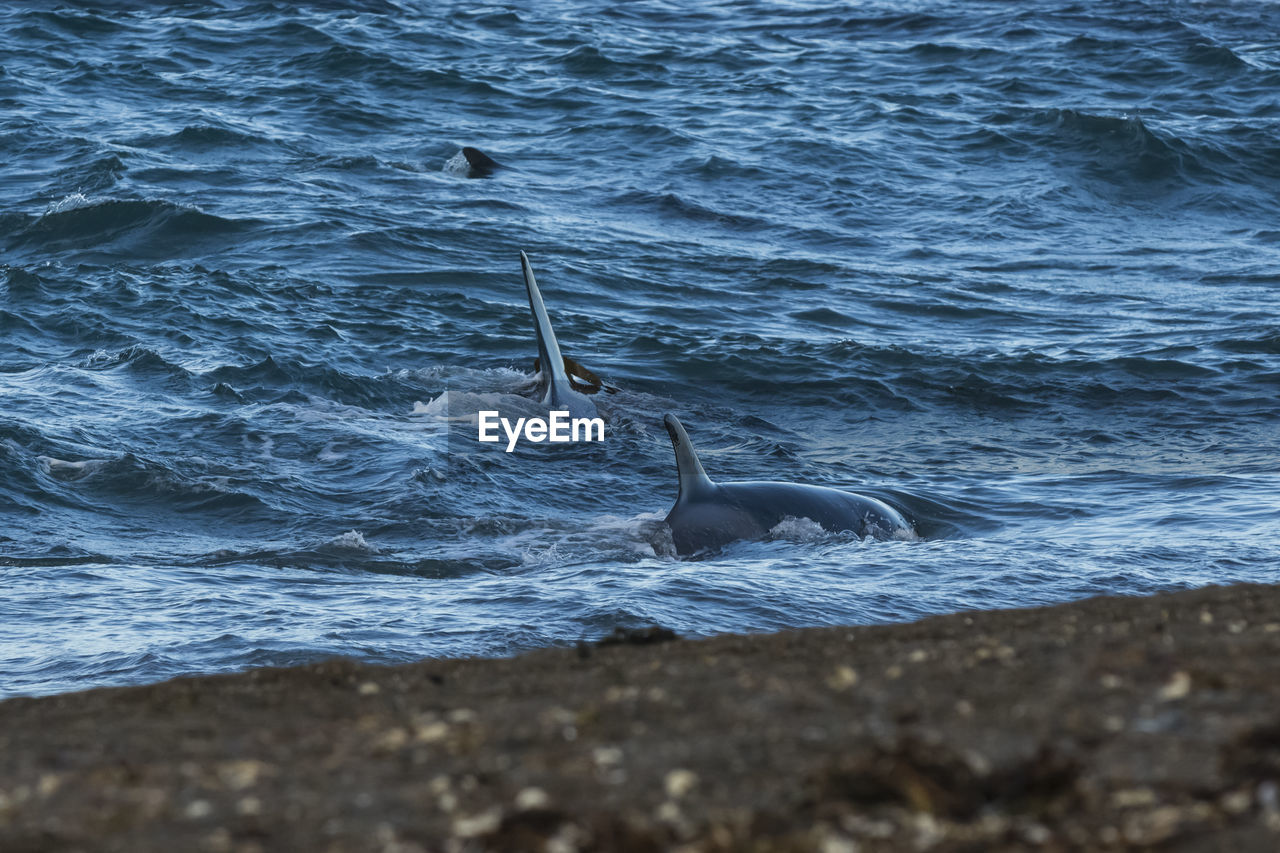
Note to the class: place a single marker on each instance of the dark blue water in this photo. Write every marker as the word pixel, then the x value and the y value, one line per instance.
pixel 1013 267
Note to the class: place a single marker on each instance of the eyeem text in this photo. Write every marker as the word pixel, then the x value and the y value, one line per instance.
pixel 559 428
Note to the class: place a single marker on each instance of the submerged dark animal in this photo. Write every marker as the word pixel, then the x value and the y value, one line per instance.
pixel 709 515
pixel 475 163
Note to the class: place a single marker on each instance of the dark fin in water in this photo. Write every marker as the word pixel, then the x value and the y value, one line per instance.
pixel 548 346
pixel 693 480
pixel 480 163
pixel 554 386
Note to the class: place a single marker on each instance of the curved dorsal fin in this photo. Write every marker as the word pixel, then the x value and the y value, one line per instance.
pixel 693 480
pixel 479 162
pixel 549 357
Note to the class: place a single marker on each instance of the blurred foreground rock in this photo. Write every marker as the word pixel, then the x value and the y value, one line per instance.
pixel 1111 723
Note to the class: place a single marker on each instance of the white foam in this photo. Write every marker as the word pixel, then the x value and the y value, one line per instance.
pixel 644 535
pixel 457 164
pixel 329 454
pixel 352 540
pixel 70 470
pixel 465 406
pixel 794 529
pixel 71 202
pixel 548 556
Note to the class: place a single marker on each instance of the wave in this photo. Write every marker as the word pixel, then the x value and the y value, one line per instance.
pixel 1212 55
pixel 268 379
pixel 56 557
pixel 1264 343
pixel 1121 148
pixel 669 204
pixel 132 481
pixel 718 167
pixel 83 24
pixel 23 283
pixel 144 227
pixel 888 23
pixel 957 53
pixel 896 378
pixel 1118 151
pixel 94 172
pixel 589 61
pixel 138 360
pixel 352 62
pixel 351 552
pixel 205 138
pixel 78 479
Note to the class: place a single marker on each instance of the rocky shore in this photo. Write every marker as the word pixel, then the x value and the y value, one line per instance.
pixel 1110 723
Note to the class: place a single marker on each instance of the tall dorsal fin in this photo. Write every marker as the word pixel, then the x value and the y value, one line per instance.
pixel 549 357
pixel 693 480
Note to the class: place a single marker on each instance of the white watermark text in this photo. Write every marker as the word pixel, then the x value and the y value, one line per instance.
pixel 559 428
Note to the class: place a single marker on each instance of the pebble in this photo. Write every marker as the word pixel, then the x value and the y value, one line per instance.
pixel 531 798
pixel 431 732
pixel 680 782
pixel 1176 687
pixel 472 826
pixel 197 809
pixel 843 678
pixel 238 775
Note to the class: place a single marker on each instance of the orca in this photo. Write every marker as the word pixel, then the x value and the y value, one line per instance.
pixel 473 163
pixel 709 515
pixel 555 389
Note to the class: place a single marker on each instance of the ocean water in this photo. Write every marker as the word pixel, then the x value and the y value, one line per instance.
pixel 1014 268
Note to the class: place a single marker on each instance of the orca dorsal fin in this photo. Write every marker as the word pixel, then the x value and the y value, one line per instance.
pixel 550 360
pixel 693 480
pixel 480 163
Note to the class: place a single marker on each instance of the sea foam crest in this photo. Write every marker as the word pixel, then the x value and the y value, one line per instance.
pixel 75 201
pixel 352 540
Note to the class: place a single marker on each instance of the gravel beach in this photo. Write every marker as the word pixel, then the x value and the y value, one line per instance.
pixel 1109 723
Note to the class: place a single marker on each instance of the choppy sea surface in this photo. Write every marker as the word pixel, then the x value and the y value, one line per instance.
pixel 1012 268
